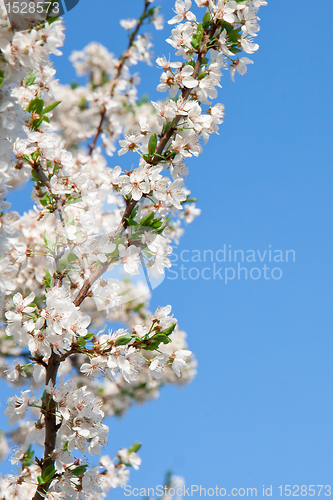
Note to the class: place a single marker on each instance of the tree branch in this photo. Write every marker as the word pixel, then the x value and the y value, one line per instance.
pixel 50 423
pixel 119 70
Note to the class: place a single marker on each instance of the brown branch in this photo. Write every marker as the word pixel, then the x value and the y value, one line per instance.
pixel 41 175
pixel 50 423
pixel 155 159
pixel 54 361
pixel 101 270
pixel 119 70
pixel 185 94
pixel 99 130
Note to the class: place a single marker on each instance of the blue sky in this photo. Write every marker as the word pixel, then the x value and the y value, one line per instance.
pixel 260 409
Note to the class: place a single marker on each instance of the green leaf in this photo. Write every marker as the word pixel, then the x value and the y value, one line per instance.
pixel 202 75
pixel 166 127
pixel 136 447
pixel 40 480
pixel 74 85
pixel 153 343
pixel 235 50
pixel 191 62
pixel 134 212
pixel 197 38
pixel 206 21
pixel 147 220
pixel 47 240
pixel 169 330
pixel 194 42
pixel 161 338
pixel 34 176
pixel 78 471
pixel 63 263
pixel 152 144
pixel 131 222
pixel 72 257
pixel 81 341
pixel 124 339
pixel 48 473
pixel 157 224
pixel 36 123
pixel 28 456
pixel 199 32
pixel 29 79
pixel 39 105
pixel 48 279
pixel 89 336
pixel 50 107
pixel 45 200
pixel 35 104
pixel 2 77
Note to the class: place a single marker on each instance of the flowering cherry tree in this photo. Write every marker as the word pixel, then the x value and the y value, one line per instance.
pixel 90 216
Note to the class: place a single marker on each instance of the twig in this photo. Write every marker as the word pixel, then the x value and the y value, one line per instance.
pixel 119 70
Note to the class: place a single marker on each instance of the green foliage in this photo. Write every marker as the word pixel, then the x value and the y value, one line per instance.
pixel 136 447
pixel 36 106
pixel 206 21
pixel 124 339
pixel 47 280
pixel 152 144
pixel 47 241
pixel 29 79
pixel 28 456
pixel 45 200
pixel 50 107
pixel 89 336
pixel 48 474
pixel 155 341
pixel 197 38
pixel 78 471
pixel 169 330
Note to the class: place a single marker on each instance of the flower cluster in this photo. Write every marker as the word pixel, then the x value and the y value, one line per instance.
pixel 92 218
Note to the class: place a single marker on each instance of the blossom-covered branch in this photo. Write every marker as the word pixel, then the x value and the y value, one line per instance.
pixel 89 219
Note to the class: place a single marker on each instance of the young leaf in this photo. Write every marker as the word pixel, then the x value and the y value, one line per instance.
pixel 89 336
pixel 169 330
pixel 47 240
pixel 199 33
pixel 50 107
pixel 136 447
pixel 29 79
pixel 152 144
pixel 63 263
pixel 78 471
pixel 81 341
pixel 124 339
pixel 48 279
pixel 206 21
pixel 48 473
pixel 147 220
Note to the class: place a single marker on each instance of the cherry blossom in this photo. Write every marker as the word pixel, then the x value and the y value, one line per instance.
pixel 68 267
